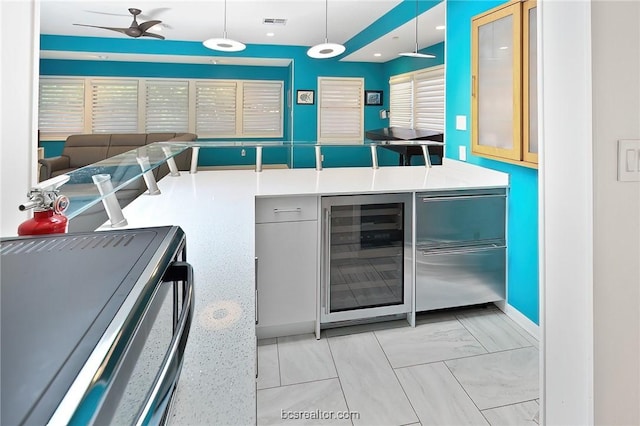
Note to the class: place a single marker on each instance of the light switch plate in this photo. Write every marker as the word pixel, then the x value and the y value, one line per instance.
pixel 461 122
pixel 462 153
pixel 629 160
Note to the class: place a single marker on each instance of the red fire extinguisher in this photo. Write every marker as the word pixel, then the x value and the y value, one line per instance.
pixel 49 206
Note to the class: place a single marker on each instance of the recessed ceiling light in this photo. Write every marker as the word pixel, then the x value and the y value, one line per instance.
pixel 440 27
pixel 270 34
pixel 503 47
pixel 377 55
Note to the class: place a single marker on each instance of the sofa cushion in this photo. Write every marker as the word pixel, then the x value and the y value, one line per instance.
pixel 125 142
pixel 86 149
pixel 159 137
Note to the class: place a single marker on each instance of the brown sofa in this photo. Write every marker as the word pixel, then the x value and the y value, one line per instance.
pixel 82 150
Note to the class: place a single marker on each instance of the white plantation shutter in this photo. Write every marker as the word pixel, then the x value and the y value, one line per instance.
pixel 262 108
pixel 340 109
pixel 114 106
pixel 429 99
pixel 216 108
pixel 167 106
pixel 61 106
pixel 401 102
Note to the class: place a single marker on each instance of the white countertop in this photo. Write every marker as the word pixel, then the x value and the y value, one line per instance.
pixel 216 211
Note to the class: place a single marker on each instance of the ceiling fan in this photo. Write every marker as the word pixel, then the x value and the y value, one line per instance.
pixel 135 30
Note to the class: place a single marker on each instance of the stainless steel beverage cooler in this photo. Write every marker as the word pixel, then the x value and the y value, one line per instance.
pixel 94 326
pixel 460 248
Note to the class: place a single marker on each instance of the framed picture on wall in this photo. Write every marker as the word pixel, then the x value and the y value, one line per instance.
pixel 305 97
pixel 373 97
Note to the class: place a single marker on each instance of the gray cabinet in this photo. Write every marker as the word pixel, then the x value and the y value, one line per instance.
pixel 287 271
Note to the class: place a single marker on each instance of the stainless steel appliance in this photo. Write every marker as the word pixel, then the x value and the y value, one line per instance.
pixel 461 248
pixel 94 326
pixel 367 256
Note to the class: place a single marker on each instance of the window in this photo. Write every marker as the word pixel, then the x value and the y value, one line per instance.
pixel 114 106
pixel 341 111
pixel 503 94
pixel 417 99
pixel 209 108
pixel 61 106
pixel 216 108
pixel 262 108
pixel 401 101
pixel 167 106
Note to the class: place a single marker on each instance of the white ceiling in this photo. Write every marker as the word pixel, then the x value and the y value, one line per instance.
pixel 198 20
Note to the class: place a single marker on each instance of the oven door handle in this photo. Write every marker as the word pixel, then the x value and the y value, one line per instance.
pixel 160 394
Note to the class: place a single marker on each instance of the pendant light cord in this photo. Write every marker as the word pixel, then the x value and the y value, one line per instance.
pixel 416 26
pixel 224 32
pixel 326 21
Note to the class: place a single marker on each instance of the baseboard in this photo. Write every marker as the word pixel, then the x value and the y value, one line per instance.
pixel 243 167
pixel 519 318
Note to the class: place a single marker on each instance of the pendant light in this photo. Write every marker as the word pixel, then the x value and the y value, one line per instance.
pixel 224 44
pixel 415 53
pixel 325 50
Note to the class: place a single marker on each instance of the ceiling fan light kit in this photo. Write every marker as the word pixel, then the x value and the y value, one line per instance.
pixel 415 53
pixel 135 30
pixel 224 44
pixel 325 50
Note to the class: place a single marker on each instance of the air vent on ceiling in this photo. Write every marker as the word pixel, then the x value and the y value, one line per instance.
pixel 274 21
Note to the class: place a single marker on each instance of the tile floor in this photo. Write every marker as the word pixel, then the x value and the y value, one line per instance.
pixel 464 367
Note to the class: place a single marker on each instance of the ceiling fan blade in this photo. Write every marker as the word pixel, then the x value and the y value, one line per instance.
pixel 145 34
pixel 146 25
pixel 107 13
pixel 120 30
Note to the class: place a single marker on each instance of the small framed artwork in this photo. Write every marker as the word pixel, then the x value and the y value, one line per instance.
pixel 373 97
pixel 305 97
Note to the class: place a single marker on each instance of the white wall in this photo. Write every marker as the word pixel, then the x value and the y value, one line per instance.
pixel 590 228
pixel 615 28
pixel 19 50
pixel 566 205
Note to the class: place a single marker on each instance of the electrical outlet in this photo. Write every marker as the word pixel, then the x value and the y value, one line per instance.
pixel 322 157
pixel 629 160
pixel 243 152
pixel 461 122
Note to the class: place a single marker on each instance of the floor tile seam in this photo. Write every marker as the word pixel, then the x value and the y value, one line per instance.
pixel 301 383
pixel 278 355
pixel 508 405
pixel 517 328
pixel 344 397
pixel 464 390
pixel 490 353
pixel 398 380
pixel 473 335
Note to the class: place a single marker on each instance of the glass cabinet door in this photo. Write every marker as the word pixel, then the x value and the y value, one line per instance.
pixel 530 83
pixel 496 84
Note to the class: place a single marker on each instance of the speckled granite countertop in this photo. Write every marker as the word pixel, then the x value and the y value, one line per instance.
pixel 216 211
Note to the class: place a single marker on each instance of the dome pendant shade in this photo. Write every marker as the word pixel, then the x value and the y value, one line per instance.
pixel 325 50
pixel 224 44
pixel 415 53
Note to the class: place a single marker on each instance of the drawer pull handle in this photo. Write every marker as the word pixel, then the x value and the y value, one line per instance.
pixel 296 210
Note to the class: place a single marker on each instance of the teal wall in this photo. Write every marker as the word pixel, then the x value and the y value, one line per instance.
pixel 523 195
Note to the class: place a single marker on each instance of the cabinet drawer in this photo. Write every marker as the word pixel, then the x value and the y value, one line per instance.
pixel 286 209
pixel 450 278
